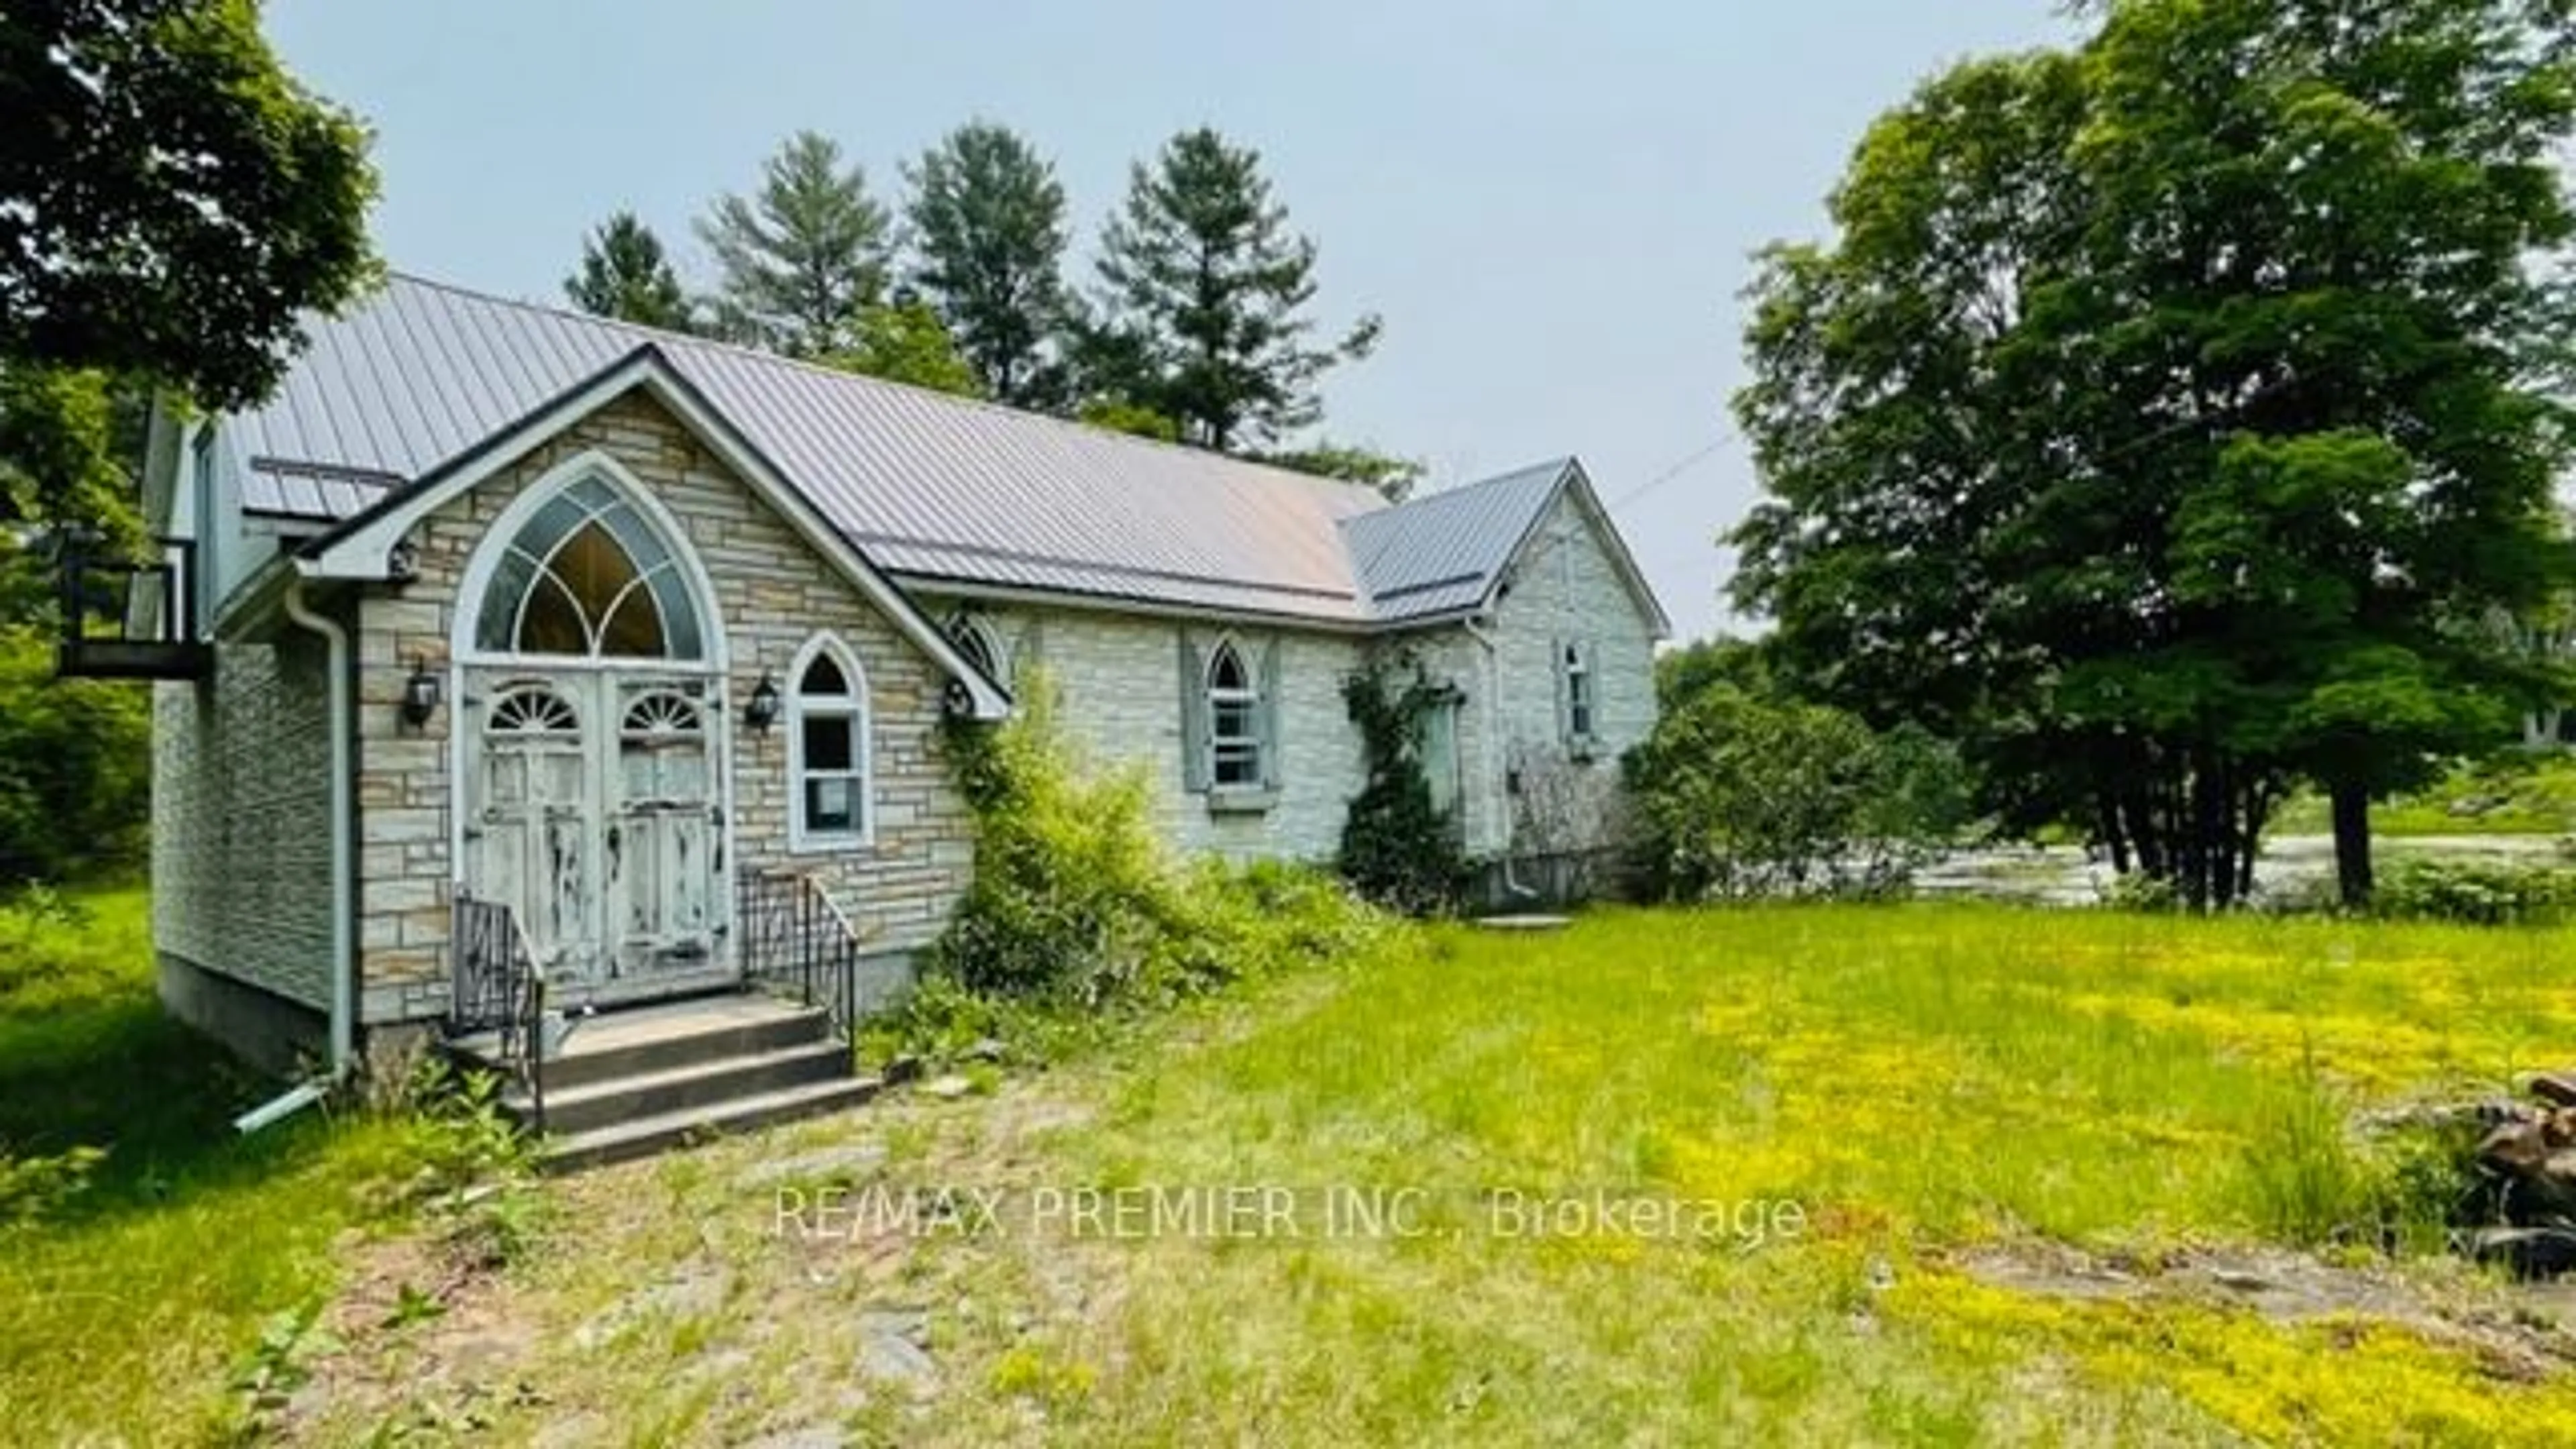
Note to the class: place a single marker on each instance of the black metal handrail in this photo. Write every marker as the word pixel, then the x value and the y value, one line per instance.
pixel 794 941
pixel 499 988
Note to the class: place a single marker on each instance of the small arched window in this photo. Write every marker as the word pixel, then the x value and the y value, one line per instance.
pixel 974 638
pixel 1234 720
pixel 827 743
pixel 588 576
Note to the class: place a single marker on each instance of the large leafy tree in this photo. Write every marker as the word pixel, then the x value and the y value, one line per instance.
pixel 2165 412
pixel 67 439
pixel 171 202
pixel 799 259
pixel 625 274
pixel 988 231
pixel 1205 294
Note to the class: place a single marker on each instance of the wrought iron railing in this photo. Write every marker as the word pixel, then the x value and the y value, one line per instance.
pixel 499 988
pixel 795 942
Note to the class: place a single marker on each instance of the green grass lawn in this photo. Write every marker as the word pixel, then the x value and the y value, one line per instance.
pixel 1936 1089
pixel 124 1306
pixel 1904 1117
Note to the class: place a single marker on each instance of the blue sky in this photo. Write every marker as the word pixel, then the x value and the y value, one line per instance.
pixel 1552 206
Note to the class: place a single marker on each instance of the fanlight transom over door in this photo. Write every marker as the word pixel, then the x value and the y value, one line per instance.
pixel 591 745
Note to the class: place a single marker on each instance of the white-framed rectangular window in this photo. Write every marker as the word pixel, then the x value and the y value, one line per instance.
pixel 827 748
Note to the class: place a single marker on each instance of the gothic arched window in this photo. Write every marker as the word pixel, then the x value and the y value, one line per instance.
pixel 588 576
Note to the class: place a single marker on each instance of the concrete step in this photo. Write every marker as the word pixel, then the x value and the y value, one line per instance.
pixel 695 1084
pixel 667 1037
pixel 643 1136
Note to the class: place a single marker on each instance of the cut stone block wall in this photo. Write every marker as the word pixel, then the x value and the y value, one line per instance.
pixel 774 592
pixel 1564 588
pixel 1118 681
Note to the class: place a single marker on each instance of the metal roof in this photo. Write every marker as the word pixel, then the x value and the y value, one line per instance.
pixel 928 486
pixel 1439 554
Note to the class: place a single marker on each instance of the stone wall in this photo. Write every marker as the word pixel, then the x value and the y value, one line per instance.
pixel 241 819
pixel 1118 677
pixel 773 593
pixel 1564 588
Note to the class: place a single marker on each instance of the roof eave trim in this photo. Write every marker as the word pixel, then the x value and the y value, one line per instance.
pixel 362 548
pixel 951 586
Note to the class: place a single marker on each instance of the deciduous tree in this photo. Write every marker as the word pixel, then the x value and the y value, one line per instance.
pixel 171 204
pixel 904 342
pixel 2162 409
pixel 170 199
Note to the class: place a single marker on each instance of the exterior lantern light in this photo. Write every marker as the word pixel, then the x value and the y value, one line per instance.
pixel 420 694
pixel 762 709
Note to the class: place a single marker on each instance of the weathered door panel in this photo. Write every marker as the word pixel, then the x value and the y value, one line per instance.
pixel 594 811
pixel 664 833
pixel 527 826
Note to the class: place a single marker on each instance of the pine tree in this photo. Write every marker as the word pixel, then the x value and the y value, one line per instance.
pixel 987 218
pixel 626 275
pixel 1206 291
pixel 800 259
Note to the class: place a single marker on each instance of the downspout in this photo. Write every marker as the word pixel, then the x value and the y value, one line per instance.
pixel 1493 746
pixel 343 881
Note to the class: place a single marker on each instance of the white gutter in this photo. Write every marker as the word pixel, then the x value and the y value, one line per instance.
pixel 343 879
pixel 1493 744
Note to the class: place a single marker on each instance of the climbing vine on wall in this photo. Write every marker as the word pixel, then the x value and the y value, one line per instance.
pixel 1399 849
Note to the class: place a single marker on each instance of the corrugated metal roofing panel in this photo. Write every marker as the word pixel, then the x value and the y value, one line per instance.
pixel 928 484
pixel 1418 558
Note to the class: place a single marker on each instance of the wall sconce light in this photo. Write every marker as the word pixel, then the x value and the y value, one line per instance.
pixel 761 711
pixel 420 694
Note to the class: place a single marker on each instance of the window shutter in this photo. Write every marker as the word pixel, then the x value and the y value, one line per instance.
pixel 1194 716
pixel 1268 716
pixel 1564 706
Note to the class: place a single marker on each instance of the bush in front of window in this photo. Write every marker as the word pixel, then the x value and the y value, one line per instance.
pixel 1077 903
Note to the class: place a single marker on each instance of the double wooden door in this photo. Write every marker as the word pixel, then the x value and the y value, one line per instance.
pixel 592 805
